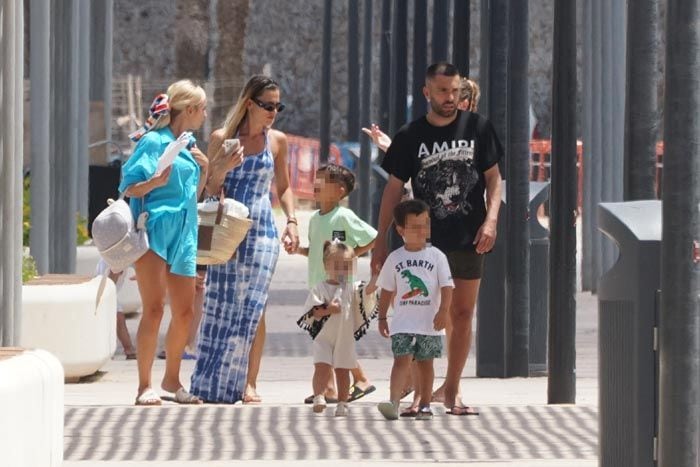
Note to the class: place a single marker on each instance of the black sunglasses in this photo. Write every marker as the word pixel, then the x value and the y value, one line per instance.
pixel 269 106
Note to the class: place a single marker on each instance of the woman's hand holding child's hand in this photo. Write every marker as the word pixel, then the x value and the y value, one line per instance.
pixel 383 327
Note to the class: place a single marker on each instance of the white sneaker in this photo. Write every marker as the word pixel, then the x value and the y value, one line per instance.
pixel 319 403
pixel 389 410
pixel 341 410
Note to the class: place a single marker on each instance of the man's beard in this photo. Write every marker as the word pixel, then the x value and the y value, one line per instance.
pixel 443 112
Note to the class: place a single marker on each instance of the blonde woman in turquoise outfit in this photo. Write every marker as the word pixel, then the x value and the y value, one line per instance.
pixel 170 198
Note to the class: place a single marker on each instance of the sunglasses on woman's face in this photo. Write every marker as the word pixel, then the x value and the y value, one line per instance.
pixel 270 106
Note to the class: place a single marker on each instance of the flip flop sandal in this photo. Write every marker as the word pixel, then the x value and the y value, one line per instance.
pixel 131 356
pixel 183 397
pixel 409 412
pixel 462 411
pixel 148 397
pixel 357 393
pixel 329 400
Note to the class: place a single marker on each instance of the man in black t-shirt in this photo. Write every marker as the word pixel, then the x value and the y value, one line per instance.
pixel 451 158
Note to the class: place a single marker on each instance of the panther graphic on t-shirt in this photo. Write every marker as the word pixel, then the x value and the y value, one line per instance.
pixel 447 176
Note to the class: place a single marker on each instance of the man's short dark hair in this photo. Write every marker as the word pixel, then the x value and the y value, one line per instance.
pixel 409 207
pixel 338 174
pixel 441 68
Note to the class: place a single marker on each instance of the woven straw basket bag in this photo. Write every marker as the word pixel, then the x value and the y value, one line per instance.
pixel 219 235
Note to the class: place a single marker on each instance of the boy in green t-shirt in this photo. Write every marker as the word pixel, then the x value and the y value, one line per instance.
pixel 332 221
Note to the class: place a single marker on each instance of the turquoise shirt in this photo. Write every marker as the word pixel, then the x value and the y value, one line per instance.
pixel 179 195
pixel 340 223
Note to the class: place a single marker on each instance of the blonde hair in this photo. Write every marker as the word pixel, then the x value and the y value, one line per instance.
pixel 470 91
pixel 181 94
pixel 254 88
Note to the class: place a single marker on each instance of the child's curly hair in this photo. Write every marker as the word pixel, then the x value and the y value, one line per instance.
pixel 336 246
pixel 338 174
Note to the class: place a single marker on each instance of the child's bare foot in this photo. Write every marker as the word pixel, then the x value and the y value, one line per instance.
pixel 251 396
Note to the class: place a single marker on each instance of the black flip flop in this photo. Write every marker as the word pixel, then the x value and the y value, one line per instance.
pixel 357 393
pixel 462 411
pixel 409 412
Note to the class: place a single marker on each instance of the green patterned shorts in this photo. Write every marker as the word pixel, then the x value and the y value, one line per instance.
pixel 420 346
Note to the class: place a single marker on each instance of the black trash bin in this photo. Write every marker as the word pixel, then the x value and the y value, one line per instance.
pixel 627 318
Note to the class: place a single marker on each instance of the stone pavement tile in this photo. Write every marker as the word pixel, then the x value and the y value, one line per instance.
pixel 294 433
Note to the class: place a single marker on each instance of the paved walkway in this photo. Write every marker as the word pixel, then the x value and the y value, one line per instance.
pixel 516 427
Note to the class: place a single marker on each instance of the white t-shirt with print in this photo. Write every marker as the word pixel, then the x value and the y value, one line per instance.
pixel 416 277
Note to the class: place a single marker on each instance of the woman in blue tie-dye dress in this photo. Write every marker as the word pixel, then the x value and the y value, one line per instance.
pixel 232 330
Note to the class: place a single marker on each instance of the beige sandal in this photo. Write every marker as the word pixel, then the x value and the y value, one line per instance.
pixel 148 397
pixel 184 397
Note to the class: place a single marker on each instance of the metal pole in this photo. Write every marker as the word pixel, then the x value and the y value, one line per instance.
pixel 608 145
pixel 353 117
pixel 441 23
pixel 596 165
pixel 107 92
pixel 365 146
pixel 64 210
pixel 679 381
pixel 641 116
pixel 562 303
pixel 325 137
pixel 399 67
pixel 588 210
pixel 83 84
pixel 518 192
pixel 39 63
pixel 419 106
pixel 619 43
pixel 460 35
pixel 485 38
pixel 385 66
pixel 11 104
pixel 498 65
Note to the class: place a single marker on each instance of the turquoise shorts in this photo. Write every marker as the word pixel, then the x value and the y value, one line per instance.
pixel 174 239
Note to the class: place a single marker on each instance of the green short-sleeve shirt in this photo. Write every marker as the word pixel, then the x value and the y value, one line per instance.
pixel 340 223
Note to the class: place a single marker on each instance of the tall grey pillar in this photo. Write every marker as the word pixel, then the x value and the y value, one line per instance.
pixel 101 61
pixel 596 164
pixel 461 18
pixel 11 150
pixel 366 109
pixel 40 97
pixel 586 259
pixel 561 387
pixel 484 34
pixel 608 146
pixel 679 379
pixel 420 57
pixel 441 24
pixel 385 66
pixel 65 137
pixel 83 108
pixel 325 137
pixel 641 128
pixel 399 66
pixel 518 192
pixel 619 41
pixel 498 66
pixel 353 116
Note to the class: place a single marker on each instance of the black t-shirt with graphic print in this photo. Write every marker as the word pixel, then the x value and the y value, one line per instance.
pixel 446 167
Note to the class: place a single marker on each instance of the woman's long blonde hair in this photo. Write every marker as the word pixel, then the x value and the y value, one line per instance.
pixel 253 89
pixel 470 91
pixel 181 94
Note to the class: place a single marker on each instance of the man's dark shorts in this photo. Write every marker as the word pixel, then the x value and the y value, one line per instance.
pixel 465 264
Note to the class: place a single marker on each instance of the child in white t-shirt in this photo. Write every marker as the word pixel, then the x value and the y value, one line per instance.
pixel 102 269
pixel 337 313
pixel 418 277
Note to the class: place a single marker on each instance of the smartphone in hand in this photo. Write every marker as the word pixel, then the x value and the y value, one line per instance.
pixel 231 146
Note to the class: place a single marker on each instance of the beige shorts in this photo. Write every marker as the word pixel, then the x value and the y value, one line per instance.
pixel 335 346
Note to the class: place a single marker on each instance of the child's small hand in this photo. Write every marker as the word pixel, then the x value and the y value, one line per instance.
pixel 372 285
pixel 440 320
pixel 383 327
pixel 320 312
pixel 334 307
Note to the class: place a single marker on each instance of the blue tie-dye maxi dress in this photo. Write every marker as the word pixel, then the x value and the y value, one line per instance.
pixel 237 291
